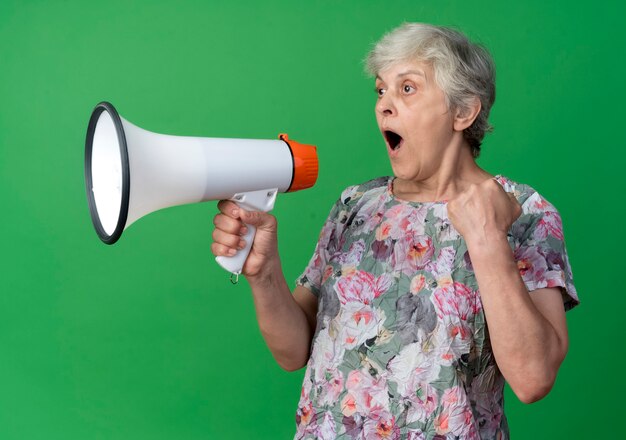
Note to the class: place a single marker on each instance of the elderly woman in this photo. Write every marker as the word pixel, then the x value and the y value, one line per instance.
pixel 427 290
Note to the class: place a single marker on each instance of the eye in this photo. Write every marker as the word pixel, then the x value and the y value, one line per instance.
pixel 408 88
pixel 380 91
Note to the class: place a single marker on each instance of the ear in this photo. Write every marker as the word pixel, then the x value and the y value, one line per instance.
pixel 464 117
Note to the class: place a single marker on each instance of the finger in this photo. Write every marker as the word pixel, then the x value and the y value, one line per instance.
pixel 229 240
pixel 261 220
pixel 229 224
pixel 228 208
pixel 512 198
pixel 219 250
pixel 494 181
pixel 516 205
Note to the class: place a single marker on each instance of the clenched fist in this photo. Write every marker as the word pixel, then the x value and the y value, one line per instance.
pixel 483 212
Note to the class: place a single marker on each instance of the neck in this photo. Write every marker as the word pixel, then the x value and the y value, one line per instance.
pixel 456 171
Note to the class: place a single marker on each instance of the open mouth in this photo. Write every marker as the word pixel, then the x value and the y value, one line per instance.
pixel 393 139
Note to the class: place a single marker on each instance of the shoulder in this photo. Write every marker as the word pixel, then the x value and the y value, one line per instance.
pixel 539 244
pixel 539 220
pixel 355 197
pixel 531 201
pixel 355 193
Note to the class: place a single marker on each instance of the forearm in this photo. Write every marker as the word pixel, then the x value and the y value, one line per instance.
pixel 282 321
pixel 527 348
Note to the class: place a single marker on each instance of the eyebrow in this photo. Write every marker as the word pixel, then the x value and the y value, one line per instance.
pixel 408 72
pixel 416 72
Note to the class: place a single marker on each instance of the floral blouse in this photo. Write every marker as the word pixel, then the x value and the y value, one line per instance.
pixel 401 349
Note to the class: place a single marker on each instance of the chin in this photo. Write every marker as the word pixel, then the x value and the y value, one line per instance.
pixel 404 174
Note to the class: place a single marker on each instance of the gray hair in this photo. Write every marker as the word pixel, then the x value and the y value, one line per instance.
pixel 463 70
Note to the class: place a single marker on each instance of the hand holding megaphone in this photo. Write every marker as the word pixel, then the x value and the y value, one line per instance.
pixel 130 172
pixel 232 235
pixel 253 201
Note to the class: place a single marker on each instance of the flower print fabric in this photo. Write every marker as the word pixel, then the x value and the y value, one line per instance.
pixel 401 349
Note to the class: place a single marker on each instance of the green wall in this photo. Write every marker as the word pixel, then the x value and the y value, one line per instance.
pixel 148 339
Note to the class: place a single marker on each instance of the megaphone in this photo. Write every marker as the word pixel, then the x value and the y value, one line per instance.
pixel 131 172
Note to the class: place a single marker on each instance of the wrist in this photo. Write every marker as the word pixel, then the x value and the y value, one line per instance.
pixel 492 245
pixel 486 237
pixel 267 275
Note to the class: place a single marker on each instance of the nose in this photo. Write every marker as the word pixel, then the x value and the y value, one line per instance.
pixel 384 106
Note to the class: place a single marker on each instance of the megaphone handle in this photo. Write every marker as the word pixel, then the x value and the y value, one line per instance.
pixel 259 200
pixel 235 263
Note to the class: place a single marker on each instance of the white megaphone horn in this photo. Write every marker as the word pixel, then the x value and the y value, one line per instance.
pixel 130 172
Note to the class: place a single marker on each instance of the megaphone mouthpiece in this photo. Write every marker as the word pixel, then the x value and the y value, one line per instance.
pixel 304 162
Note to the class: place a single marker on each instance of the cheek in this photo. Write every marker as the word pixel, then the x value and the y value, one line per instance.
pixel 420 119
pixel 430 111
pixel 431 128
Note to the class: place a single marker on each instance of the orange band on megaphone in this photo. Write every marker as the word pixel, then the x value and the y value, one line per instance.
pixel 305 165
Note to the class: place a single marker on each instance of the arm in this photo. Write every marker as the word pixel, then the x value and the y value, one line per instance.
pixel 286 321
pixel 528 331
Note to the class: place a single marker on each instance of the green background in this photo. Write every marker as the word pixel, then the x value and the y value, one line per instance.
pixel 148 338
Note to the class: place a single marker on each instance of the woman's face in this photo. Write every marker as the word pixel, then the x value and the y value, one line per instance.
pixel 413 118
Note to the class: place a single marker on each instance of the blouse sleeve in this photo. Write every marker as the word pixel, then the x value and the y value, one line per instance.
pixel 541 255
pixel 327 245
